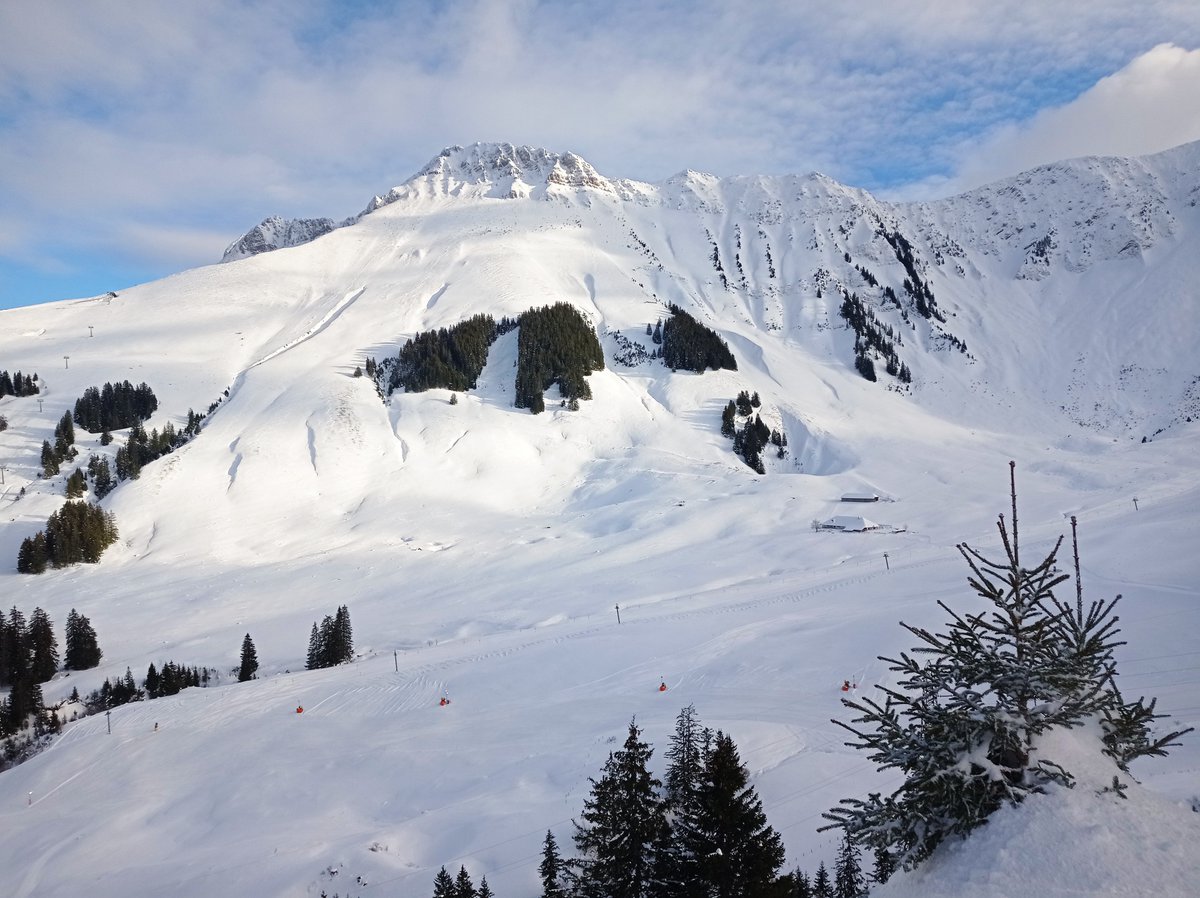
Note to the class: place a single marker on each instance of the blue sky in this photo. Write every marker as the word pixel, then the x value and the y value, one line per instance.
pixel 139 138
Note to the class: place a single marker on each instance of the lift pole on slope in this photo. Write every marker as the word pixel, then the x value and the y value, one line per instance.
pixel 618 607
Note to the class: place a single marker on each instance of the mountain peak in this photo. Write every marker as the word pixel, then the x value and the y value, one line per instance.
pixel 274 233
pixel 502 165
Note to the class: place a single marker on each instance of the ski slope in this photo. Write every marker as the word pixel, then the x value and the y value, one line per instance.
pixel 482 551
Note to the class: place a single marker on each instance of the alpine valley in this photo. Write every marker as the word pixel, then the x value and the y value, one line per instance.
pixel 547 572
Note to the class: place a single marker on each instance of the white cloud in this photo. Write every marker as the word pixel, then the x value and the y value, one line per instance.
pixel 1151 104
pixel 201 118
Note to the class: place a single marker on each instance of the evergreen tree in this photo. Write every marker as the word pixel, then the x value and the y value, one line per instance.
pixel 43 647
pixel 463 887
pixel 623 827
pixel 152 681
pixel 685 755
pixel 688 344
pixel 342 638
pixel 443 885
pixel 728 421
pixel 485 891
pixel 848 878
pixel 723 831
pixel 802 887
pixel 16 656
pixel 884 867
pixel 249 663
pixel 963 726
pixel 76 484
pixel 551 869
pixel 315 652
pixel 821 886
pixel 83 651
pixel 50 461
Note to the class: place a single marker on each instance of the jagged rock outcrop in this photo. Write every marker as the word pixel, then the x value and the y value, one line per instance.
pixel 277 233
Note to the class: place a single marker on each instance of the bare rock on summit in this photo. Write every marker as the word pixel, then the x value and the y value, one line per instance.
pixel 277 233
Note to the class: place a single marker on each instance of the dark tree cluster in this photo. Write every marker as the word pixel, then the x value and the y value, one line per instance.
pixel 460 886
pixel 101 475
pixel 703 833
pixel 555 345
pixel 688 344
pixel 916 287
pixel 83 650
pixel 114 406
pixel 28 658
pixel 114 693
pixel 18 384
pixel 871 335
pixel 630 353
pixel 715 258
pixel 77 532
pixel 448 358
pixel 969 705
pixel 170 679
pixel 332 642
pixel 867 276
pixel 141 448
pixel 63 448
pixel 752 438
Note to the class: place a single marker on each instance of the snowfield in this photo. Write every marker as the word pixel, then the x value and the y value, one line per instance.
pixel 482 551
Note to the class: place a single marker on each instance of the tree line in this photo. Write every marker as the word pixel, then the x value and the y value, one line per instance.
pixel 447 358
pixel 555 345
pixel 79 532
pixel 18 384
pixel 330 644
pixel 114 406
pixel 29 657
pixel 871 335
pixel 700 831
pixel 752 438
pixel 688 344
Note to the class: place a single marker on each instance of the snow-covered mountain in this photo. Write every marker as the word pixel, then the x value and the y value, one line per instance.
pixel 1050 319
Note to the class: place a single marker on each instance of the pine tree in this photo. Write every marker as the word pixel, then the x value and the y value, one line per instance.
pixel 728 421
pixel 686 759
pixel 821 886
pixel 43 647
pixel 83 651
pixel 50 461
pixel 249 664
pixel 803 888
pixel 884 867
pixel 485 891
pixel 733 852
pixel 342 637
pixel 551 869
pixel 152 681
pixel 963 726
pixel 443 885
pixel 623 827
pixel 315 657
pixel 463 887
pixel 849 881
pixel 15 655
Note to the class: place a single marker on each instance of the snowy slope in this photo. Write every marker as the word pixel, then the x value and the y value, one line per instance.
pixel 481 549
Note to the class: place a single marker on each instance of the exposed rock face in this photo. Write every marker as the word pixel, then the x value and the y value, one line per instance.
pixel 277 233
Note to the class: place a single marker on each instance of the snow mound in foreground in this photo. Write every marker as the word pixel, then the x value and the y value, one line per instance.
pixel 1068 842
